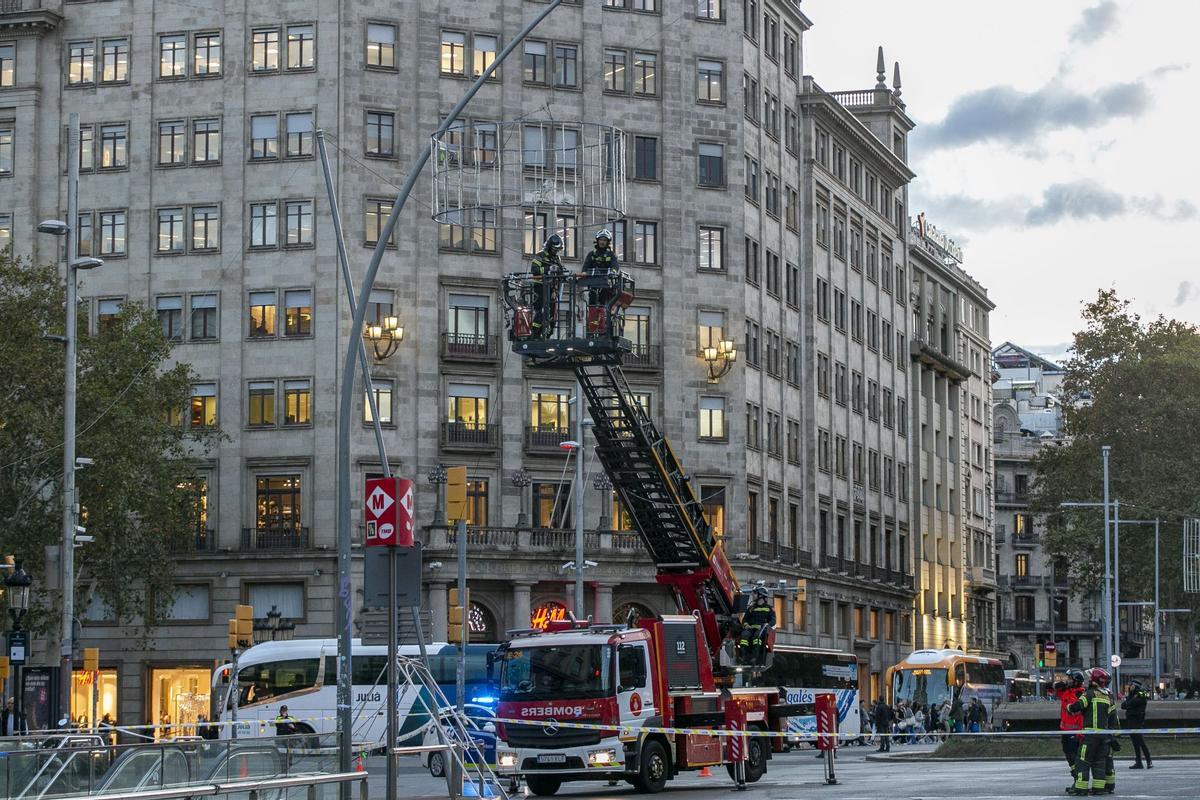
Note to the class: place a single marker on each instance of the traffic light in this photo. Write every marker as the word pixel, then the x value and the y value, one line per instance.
pixel 456 493
pixel 1038 657
pixel 233 637
pixel 456 615
pixel 241 627
pixel 4 668
pixel 91 659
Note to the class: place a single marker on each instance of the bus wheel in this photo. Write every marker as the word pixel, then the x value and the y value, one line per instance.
pixel 756 761
pixel 654 771
pixel 543 785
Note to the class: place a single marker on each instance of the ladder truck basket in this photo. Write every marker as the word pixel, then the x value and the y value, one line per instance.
pixel 563 318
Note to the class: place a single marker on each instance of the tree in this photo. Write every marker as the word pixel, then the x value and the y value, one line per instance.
pixel 1135 386
pixel 138 498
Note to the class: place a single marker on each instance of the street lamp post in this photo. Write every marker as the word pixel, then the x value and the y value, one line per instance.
pixel 17 585
pixel 521 480
pixel 70 503
pixel 273 627
pixel 1108 599
pixel 436 477
pixel 604 486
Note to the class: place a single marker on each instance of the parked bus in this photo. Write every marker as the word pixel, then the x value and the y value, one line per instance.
pixel 805 672
pixel 935 677
pixel 1023 687
pixel 302 674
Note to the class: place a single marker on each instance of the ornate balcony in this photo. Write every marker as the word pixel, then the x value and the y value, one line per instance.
pixel 469 347
pixel 469 436
pixel 276 538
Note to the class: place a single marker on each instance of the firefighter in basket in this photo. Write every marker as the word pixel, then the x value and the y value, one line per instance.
pixel 757 622
pixel 543 271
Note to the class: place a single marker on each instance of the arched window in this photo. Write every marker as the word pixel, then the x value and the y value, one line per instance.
pixel 482 624
pixel 621 613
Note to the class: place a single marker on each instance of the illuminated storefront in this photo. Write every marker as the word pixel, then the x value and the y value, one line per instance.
pixel 546 613
pixel 82 682
pixel 178 698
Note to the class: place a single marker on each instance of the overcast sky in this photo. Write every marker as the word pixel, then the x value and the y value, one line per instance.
pixel 1054 140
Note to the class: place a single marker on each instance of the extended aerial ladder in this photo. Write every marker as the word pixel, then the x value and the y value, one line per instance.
pixel 571 321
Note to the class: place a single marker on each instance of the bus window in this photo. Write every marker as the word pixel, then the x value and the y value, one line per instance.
pixel 989 674
pixel 810 670
pixel 261 682
pixel 369 670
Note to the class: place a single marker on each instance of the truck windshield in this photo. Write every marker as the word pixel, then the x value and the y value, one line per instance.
pixel 553 672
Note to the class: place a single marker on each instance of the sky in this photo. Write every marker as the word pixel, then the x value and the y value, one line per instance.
pixel 1053 142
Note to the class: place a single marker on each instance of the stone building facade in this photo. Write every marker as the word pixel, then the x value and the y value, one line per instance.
pixel 774 216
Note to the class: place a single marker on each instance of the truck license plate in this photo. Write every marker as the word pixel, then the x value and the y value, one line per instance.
pixel 551 758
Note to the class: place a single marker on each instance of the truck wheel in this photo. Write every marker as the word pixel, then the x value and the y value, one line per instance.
pixel 654 771
pixel 756 761
pixel 543 785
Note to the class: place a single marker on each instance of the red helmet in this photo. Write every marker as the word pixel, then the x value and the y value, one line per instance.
pixel 1099 677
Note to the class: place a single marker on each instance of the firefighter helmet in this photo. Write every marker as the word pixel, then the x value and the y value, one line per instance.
pixel 1099 677
pixel 603 233
pixel 1077 677
pixel 1135 684
pixel 554 243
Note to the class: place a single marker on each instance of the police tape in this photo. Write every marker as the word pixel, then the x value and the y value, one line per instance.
pixel 630 731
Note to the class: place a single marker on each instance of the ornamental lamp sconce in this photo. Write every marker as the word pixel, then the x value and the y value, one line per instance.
pixel 719 358
pixel 385 336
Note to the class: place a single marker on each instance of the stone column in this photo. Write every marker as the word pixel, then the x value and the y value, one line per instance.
pixel 602 606
pixel 520 606
pixel 437 610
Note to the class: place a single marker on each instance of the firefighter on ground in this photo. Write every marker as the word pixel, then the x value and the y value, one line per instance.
pixel 757 622
pixel 1094 766
pixel 542 271
pixel 1070 723
pixel 1135 717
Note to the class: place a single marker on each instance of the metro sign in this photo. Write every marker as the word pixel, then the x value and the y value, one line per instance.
pixel 388 508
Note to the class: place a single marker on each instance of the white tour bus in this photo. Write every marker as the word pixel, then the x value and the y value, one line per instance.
pixel 805 672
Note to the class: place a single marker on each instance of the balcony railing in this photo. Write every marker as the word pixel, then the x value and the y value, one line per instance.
pixel 545 439
pixel 1012 498
pixel 279 538
pixel 805 559
pixel 13 6
pixel 469 347
pixel 644 356
pixel 201 540
pixel 981 576
pixel 525 540
pixel 472 435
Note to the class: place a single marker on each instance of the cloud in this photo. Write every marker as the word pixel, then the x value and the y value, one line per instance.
pixel 1002 113
pixel 1075 200
pixel 1182 293
pixel 1095 23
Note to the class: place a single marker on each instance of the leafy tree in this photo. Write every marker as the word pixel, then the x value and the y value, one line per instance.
pixel 1133 385
pixel 136 499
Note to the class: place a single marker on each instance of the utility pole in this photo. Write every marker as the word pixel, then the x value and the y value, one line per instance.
pixel 69 500
pixel 1157 657
pixel 579 451
pixel 1107 617
pixel 1116 523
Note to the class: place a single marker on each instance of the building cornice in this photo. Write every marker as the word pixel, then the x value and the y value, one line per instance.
pixel 825 107
pixel 16 21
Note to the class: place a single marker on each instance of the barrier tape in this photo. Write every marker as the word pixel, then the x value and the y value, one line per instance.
pixel 628 730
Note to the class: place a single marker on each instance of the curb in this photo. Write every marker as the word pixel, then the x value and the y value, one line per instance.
pixel 922 757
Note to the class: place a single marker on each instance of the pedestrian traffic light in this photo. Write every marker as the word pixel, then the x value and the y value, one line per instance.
pixel 1038 657
pixel 456 615
pixel 91 659
pixel 456 493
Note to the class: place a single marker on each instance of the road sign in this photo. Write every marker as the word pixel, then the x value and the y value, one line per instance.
pixel 1049 647
pixel 388 509
pixel 1116 660
pixel 18 646
pixel 408 577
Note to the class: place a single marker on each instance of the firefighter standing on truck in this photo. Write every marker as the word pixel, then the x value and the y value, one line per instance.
pixel 757 622
pixel 1094 767
pixel 1069 722
pixel 544 265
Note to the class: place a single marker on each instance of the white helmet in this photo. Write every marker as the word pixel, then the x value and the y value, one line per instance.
pixel 604 233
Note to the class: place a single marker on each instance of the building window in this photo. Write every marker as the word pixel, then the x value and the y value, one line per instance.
pixel 114 61
pixel 301 47
pixel 299 135
pixel 114 140
pixel 204 405
pixel 645 242
pixel 172 56
pixel 712 329
pixel 263 224
pixel 484 54
pixel 383 402
pixel 454 46
pixel 710 9
pixel 467 412
pixel 278 504
pixel 170 230
pixel 381 128
pixel 6 151
pixel 1021 565
pixel 645 158
pixel 170 317
pixel 551 505
pixel 262 315
pixel 753 426
pixel 711 164
pixel 206 55
pixel 709 81
pixel 645 79
pixel 381 45
pixel 297 402
pixel 8 60
pixel 86 237
pixel 550 411
pixel 260 411
pixel 206 140
pixel 467 323
pixel 264 136
pixel 712 505
pixel 204 317
pixel 81 63
pixel 299 222
pixel 297 309
pixel 264 50
pixel 614 70
pixel 376 215
pixel 477 514
pixel 535 62
pixel 206 228
pixel 566 65
pixel 711 247
pixel 712 417
pixel 112 233
pixel 1023 608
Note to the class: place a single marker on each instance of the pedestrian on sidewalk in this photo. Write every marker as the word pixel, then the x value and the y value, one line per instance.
pixel 884 716
pixel 1134 706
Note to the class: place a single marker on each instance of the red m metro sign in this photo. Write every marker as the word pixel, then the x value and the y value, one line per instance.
pixel 388 508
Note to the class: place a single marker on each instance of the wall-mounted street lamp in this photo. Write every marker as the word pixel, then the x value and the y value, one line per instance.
pixel 385 336
pixel 719 358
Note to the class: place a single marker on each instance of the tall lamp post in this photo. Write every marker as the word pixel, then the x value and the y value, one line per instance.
pixel 273 627
pixel 436 477
pixel 521 480
pixel 604 486
pixel 17 585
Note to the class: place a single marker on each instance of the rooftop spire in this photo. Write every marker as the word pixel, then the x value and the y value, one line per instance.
pixel 896 79
pixel 880 76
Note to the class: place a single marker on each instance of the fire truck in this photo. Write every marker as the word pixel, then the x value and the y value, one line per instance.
pixel 588 700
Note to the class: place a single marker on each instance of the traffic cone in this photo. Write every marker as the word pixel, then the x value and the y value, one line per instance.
pixel 358 764
pixel 705 772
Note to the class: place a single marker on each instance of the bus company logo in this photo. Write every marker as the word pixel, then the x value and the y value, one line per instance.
pixel 553 711
pixel 368 697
